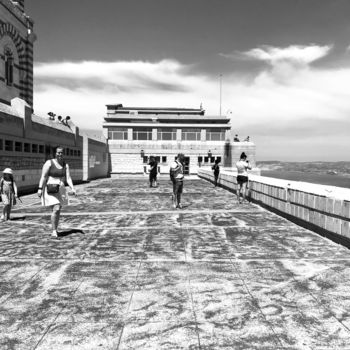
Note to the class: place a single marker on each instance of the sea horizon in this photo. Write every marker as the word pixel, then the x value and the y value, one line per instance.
pixel 340 180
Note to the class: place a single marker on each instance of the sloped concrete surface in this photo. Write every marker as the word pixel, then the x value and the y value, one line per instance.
pixel 130 272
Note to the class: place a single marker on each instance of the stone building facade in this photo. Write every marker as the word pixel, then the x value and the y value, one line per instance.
pixel 16 52
pixel 136 133
pixel 27 140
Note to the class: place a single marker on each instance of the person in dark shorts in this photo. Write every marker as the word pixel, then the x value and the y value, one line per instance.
pixel 153 172
pixel 242 176
pixel 216 170
pixel 177 177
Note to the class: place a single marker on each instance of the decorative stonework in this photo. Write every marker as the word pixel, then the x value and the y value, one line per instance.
pixel 10 31
pixel 13 8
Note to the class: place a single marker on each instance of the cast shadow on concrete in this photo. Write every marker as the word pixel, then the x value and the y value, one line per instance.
pixel 17 218
pixel 70 232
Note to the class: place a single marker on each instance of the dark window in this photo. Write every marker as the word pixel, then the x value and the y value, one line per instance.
pixel 206 159
pixel 1 145
pixel 142 134
pixel 219 159
pixel 71 152
pixel 9 68
pixel 157 159
pixel 41 148
pixel 34 148
pixel 18 146
pixel 67 151
pixel 191 135
pixel 79 153
pixel 200 159
pixel 118 133
pixel 75 153
pixel 163 159
pixel 166 134
pixel 215 134
pixel 145 159
pixel 27 147
pixel 212 159
pixel 8 145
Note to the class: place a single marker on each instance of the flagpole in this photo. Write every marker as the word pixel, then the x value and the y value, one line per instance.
pixel 220 92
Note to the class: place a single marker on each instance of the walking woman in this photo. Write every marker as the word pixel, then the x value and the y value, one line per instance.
pixel 242 176
pixel 52 190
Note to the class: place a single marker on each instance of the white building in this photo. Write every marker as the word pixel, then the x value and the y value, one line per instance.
pixel 136 133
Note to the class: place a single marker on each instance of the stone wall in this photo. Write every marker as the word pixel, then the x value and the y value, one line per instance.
pixel 126 156
pixel 27 141
pixel 323 209
pixel 95 159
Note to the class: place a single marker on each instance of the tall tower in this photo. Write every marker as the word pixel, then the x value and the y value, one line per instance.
pixel 16 48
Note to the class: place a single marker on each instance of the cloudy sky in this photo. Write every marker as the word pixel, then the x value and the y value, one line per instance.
pixel 284 65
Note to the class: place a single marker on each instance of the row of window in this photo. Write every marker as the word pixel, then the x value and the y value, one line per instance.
pixel 166 134
pixel 163 159
pixel 16 146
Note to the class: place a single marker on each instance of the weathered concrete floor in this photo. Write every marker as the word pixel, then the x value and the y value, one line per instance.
pixel 132 273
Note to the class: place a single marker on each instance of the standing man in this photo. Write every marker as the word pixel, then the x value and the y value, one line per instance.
pixel 153 171
pixel 177 178
pixel 216 170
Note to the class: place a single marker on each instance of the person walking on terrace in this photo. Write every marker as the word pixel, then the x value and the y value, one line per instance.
pixel 216 170
pixel 52 190
pixel 153 172
pixel 177 177
pixel 8 192
pixel 242 176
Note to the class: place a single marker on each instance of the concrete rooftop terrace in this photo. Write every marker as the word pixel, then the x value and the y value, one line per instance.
pixel 130 272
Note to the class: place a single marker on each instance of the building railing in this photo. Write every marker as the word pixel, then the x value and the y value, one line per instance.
pixel 323 209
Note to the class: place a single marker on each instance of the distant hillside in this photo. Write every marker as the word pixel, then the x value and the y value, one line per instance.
pixel 340 168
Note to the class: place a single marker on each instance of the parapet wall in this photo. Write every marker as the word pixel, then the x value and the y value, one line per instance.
pixel 323 209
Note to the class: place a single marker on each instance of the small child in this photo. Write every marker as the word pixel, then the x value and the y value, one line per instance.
pixel 8 192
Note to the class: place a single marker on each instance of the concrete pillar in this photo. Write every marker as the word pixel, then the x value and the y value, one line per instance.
pixel 154 134
pixel 178 134
pixel 129 134
pixel 203 134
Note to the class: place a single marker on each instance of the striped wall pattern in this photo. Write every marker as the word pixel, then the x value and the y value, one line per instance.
pixel 23 42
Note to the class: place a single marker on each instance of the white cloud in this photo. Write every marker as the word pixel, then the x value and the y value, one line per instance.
pixel 294 53
pixel 276 103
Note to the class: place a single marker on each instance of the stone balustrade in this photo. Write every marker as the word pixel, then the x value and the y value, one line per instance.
pixel 323 209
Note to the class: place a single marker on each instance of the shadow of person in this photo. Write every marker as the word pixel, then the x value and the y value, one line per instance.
pixel 69 232
pixel 16 218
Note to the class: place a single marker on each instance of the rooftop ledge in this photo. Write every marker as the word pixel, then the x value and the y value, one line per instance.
pixel 307 187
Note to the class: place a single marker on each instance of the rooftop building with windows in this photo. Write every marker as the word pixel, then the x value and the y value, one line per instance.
pixel 136 133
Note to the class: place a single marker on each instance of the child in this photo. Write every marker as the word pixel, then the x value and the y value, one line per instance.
pixel 8 192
